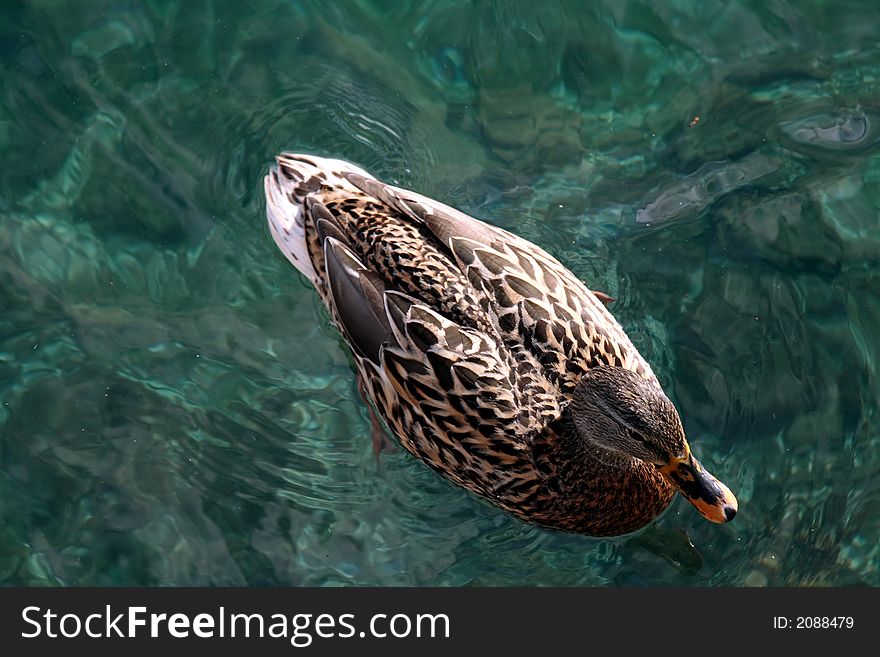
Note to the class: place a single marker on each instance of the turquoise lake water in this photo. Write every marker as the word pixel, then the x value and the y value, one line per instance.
pixel 175 408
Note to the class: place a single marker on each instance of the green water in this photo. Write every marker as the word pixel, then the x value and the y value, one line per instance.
pixel 174 406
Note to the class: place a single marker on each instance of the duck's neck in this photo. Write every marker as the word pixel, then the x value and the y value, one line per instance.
pixel 601 491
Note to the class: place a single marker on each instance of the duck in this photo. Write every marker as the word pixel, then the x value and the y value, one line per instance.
pixel 485 357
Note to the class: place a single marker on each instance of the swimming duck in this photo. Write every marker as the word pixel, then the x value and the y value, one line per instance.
pixel 487 358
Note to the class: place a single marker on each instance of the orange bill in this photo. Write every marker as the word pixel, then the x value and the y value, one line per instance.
pixel 711 497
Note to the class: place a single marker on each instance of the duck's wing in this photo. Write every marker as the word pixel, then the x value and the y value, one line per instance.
pixel 535 299
pixel 454 396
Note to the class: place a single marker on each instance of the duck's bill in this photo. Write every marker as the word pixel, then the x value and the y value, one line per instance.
pixel 711 497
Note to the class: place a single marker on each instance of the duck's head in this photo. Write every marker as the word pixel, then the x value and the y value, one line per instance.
pixel 623 412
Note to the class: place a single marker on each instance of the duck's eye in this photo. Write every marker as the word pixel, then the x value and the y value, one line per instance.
pixel 651 450
pixel 639 438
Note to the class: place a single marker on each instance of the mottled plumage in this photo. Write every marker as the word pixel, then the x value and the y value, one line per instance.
pixel 484 356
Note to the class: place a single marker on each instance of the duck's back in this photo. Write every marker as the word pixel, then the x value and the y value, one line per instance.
pixel 451 261
pixel 401 250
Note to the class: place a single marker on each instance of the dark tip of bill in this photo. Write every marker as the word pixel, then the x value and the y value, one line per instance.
pixel 729 513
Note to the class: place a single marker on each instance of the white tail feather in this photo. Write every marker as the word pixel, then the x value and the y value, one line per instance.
pixel 285 198
pixel 287 228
